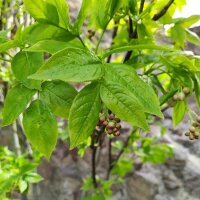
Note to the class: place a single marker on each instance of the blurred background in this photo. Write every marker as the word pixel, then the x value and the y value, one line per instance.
pixel 65 175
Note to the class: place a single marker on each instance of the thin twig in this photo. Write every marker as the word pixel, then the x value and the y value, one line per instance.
pixel 94 151
pixel 141 6
pixel 163 11
pixel 109 157
pixel 132 34
pixel 95 142
pixel 118 156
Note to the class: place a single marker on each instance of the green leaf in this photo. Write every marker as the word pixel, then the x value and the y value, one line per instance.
pixel 192 37
pixel 15 103
pixel 178 35
pixel 23 185
pixel 103 11
pixel 53 46
pixel 187 22
pixel 81 15
pixel 33 178
pixel 8 45
pixel 59 97
pixel 196 80
pixel 53 12
pixel 71 64
pixel 123 103
pixel 3 36
pixel 38 32
pixel 99 17
pixel 139 47
pixel 25 64
pixel 40 127
pixel 178 112
pixel 84 114
pixel 127 77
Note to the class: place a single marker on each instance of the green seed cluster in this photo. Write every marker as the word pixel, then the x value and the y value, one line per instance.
pixel 181 95
pixel 194 130
pixel 111 124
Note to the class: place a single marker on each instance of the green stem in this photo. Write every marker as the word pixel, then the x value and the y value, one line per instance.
pixel 81 40
pixel 99 41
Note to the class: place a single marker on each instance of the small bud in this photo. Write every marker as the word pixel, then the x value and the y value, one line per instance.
pixel 198 119
pixel 192 129
pixel 111 116
pixel 186 90
pixel 115 129
pixel 102 119
pixel 111 125
pixel 110 131
pixel 98 128
pixel 116 133
pixel 175 97
pixel 181 96
pixel 196 137
pixel 187 133
pixel 118 126
pixel 105 123
pixel 117 120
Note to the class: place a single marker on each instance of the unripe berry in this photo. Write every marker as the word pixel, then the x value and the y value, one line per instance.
pixel 116 133
pixel 175 97
pixel 181 96
pixel 191 136
pixel 195 124
pixel 111 116
pixel 196 134
pixel 187 133
pixel 192 129
pixel 186 90
pixel 198 119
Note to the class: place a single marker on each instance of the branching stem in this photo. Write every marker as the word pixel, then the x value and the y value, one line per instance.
pixel 163 11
